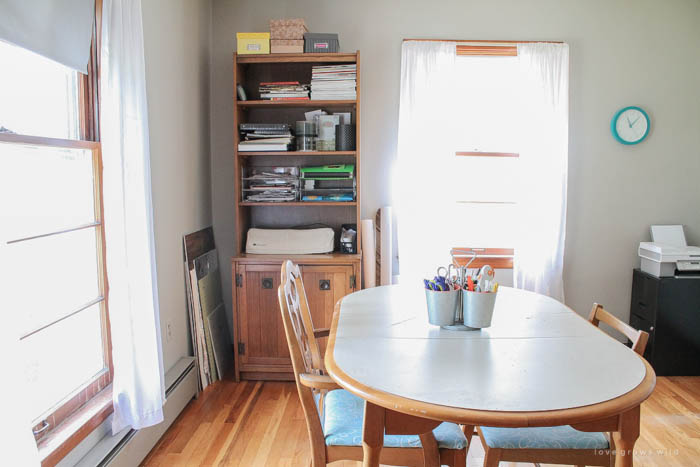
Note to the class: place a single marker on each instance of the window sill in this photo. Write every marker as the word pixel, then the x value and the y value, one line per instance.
pixel 56 444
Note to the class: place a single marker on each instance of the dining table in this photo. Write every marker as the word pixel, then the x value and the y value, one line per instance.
pixel 539 364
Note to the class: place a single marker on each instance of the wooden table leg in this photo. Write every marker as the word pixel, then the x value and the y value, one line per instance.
pixel 372 434
pixel 625 437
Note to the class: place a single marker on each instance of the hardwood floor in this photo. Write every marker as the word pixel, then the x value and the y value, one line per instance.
pixel 259 424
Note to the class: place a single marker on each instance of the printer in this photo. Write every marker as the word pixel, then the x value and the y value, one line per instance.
pixel 668 254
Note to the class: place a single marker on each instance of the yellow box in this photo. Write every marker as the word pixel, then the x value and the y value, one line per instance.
pixel 253 42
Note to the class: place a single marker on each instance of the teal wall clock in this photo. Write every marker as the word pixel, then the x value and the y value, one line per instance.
pixel 630 125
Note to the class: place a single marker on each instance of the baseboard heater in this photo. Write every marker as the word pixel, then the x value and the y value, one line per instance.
pixel 130 447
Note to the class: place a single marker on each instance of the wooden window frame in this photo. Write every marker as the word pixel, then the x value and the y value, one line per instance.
pixel 83 410
pixel 497 258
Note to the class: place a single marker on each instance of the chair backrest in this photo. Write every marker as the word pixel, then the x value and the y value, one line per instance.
pixel 303 348
pixel 639 338
pixel 300 317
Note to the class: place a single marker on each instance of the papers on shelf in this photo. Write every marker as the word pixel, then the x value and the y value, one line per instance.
pixel 272 184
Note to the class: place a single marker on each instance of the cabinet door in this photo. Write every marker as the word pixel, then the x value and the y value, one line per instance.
pixel 261 329
pixel 324 286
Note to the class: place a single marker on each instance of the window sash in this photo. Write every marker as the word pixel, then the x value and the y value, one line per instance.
pixel 102 379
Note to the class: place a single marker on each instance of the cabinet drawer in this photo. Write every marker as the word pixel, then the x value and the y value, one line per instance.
pixel 638 322
pixel 642 324
pixel 644 296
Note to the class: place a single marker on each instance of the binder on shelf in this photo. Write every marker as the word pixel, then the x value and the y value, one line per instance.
pixel 328 172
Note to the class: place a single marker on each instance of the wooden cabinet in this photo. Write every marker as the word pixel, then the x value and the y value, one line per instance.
pixel 261 347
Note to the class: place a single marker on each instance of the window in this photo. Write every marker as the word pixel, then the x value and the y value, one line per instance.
pixel 486 152
pixel 54 236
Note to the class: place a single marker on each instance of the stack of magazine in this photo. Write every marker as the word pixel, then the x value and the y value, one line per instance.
pixel 333 82
pixel 271 184
pixel 284 91
pixel 265 137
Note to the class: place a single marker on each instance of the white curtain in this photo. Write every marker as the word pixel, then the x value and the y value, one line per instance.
pixel 138 386
pixel 539 249
pixel 425 152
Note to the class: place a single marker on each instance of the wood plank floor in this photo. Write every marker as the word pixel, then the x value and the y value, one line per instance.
pixel 261 424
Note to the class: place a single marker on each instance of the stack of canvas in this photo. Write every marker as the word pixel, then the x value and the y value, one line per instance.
pixel 211 341
pixel 334 82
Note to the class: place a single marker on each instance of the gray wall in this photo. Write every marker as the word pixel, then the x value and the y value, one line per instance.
pixel 623 52
pixel 177 44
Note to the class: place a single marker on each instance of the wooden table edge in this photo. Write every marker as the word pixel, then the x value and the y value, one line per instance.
pixel 576 415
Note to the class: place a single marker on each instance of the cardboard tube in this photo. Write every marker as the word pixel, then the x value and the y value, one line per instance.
pixel 369 262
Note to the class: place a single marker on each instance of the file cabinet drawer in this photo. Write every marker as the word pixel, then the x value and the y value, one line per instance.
pixel 644 297
pixel 642 324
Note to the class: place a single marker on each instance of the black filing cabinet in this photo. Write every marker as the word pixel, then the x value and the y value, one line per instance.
pixel 668 308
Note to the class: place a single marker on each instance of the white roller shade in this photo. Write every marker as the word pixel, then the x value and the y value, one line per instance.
pixel 57 29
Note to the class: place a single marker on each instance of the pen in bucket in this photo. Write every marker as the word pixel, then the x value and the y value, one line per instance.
pixel 479 299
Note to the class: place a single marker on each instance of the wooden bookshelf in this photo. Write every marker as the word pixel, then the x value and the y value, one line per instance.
pixel 260 349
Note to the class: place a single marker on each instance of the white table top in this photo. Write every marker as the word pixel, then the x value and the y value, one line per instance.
pixel 537 355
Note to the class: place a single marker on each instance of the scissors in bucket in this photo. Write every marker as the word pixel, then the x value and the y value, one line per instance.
pixel 445 275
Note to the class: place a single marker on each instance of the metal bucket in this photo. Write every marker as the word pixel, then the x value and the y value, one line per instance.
pixel 477 308
pixel 442 306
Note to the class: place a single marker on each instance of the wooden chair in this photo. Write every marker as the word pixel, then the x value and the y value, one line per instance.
pixel 559 444
pixel 333 415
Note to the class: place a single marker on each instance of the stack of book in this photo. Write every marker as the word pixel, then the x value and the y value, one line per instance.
pixel 333 82
pixel 265 137
pixel 284 91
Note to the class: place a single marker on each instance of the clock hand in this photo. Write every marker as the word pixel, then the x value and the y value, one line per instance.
pixel 634 122
pixel 628 121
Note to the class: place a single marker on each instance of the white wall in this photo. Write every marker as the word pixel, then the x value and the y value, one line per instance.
pixel 623 52
pixel 177 44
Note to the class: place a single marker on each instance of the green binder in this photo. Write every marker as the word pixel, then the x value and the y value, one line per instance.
pixel 328 172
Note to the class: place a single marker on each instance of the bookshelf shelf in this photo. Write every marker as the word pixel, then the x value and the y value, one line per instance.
pixel 297 103
pixel 296 153
pixel 299 58
pixel 301 203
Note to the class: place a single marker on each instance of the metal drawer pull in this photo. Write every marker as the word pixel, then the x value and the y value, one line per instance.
pixel 44 426
pixel 267 283
pixel 324 284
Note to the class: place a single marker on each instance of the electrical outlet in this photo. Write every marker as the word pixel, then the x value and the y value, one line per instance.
pixel 168 331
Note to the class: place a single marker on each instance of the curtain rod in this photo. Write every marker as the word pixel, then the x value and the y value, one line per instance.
pixel 481 41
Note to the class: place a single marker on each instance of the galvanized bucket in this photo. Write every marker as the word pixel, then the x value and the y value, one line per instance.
pixel 477 308
pixel 442 306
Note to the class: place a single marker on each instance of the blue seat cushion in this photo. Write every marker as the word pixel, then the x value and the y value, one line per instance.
pixel 555 437
pixel 344 413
